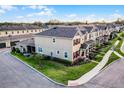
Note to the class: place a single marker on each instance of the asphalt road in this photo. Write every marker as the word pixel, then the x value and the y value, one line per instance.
pixel 14 74
pixel 111 77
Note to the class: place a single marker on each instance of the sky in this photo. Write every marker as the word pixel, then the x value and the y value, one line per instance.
pixel 44 13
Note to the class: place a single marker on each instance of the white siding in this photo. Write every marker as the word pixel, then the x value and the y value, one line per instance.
pixel 61 44
pixel 15 32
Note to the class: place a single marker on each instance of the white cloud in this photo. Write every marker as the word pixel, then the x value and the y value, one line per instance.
pixel 44 10
pixel 5 8
pixel 90 17
pixel 2 11
pixel 38 7
pixel 71 15
pixel 115 15
pixel 20 17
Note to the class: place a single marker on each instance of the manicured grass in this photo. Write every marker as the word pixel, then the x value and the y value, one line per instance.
pixel 104 48
pixel 56 70
pixel 112 58
pixel 117 48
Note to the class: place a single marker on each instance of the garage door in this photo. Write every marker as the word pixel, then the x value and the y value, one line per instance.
pixel 2 45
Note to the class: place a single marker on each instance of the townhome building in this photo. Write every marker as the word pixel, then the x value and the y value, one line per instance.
pixel 10 34
pixel 18 30
pixel 72 42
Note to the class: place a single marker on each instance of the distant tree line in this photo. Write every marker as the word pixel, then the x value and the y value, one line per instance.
pixel 57 22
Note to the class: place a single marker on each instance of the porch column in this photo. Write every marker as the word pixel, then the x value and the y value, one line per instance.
pixel 8 43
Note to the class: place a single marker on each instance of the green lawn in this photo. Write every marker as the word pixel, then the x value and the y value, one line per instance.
pixel 57 71
pixel 103 49
pixel 112 58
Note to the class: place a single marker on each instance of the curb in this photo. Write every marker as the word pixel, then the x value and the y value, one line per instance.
pixel 109 64
pixel 38 71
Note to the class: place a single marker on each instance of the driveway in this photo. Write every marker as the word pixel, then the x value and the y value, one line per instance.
pixel 14 73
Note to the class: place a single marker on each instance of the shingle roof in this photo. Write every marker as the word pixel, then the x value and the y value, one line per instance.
pixel 101 27
pixel 27 42
pixel 18 27
pixel 68 32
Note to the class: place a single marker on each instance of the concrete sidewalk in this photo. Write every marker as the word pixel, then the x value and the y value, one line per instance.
pixel 116 53
pixel 86 77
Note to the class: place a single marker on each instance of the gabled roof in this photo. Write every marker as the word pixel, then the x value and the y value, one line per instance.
pixel 66 31
pixel 101 27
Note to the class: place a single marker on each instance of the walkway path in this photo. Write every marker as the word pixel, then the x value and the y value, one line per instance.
pixel 86 77
pixel 116 53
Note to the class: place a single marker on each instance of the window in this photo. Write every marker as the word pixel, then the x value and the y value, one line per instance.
pixel 57 52
pixel 17 31
pixel 40 49
pixel 54 40
pixel 76 41
pixel 76 54
pixel 22 31
pixel 66 55
pixel 27 31
pixel 6 33
pixel 12 32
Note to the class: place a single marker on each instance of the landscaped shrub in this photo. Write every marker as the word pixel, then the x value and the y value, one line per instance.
pixel 45 57
pixel 119 38
pixel 65 62
pixel 17 50
pixel 13 49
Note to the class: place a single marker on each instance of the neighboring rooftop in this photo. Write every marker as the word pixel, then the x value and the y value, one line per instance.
pixel 27 42
pixel 18 27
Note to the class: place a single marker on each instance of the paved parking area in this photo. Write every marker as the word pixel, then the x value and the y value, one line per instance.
pixel 13 73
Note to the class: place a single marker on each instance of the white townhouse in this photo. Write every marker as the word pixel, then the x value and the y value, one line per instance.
pixel 59 42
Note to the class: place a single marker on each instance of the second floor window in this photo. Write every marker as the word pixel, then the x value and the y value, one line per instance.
pixel 76 41
pixel 53 40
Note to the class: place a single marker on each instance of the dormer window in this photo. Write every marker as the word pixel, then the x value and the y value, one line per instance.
pixel 53 40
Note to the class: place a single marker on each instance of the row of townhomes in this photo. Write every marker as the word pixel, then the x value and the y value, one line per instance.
pixel 10 34
pixel 73 42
